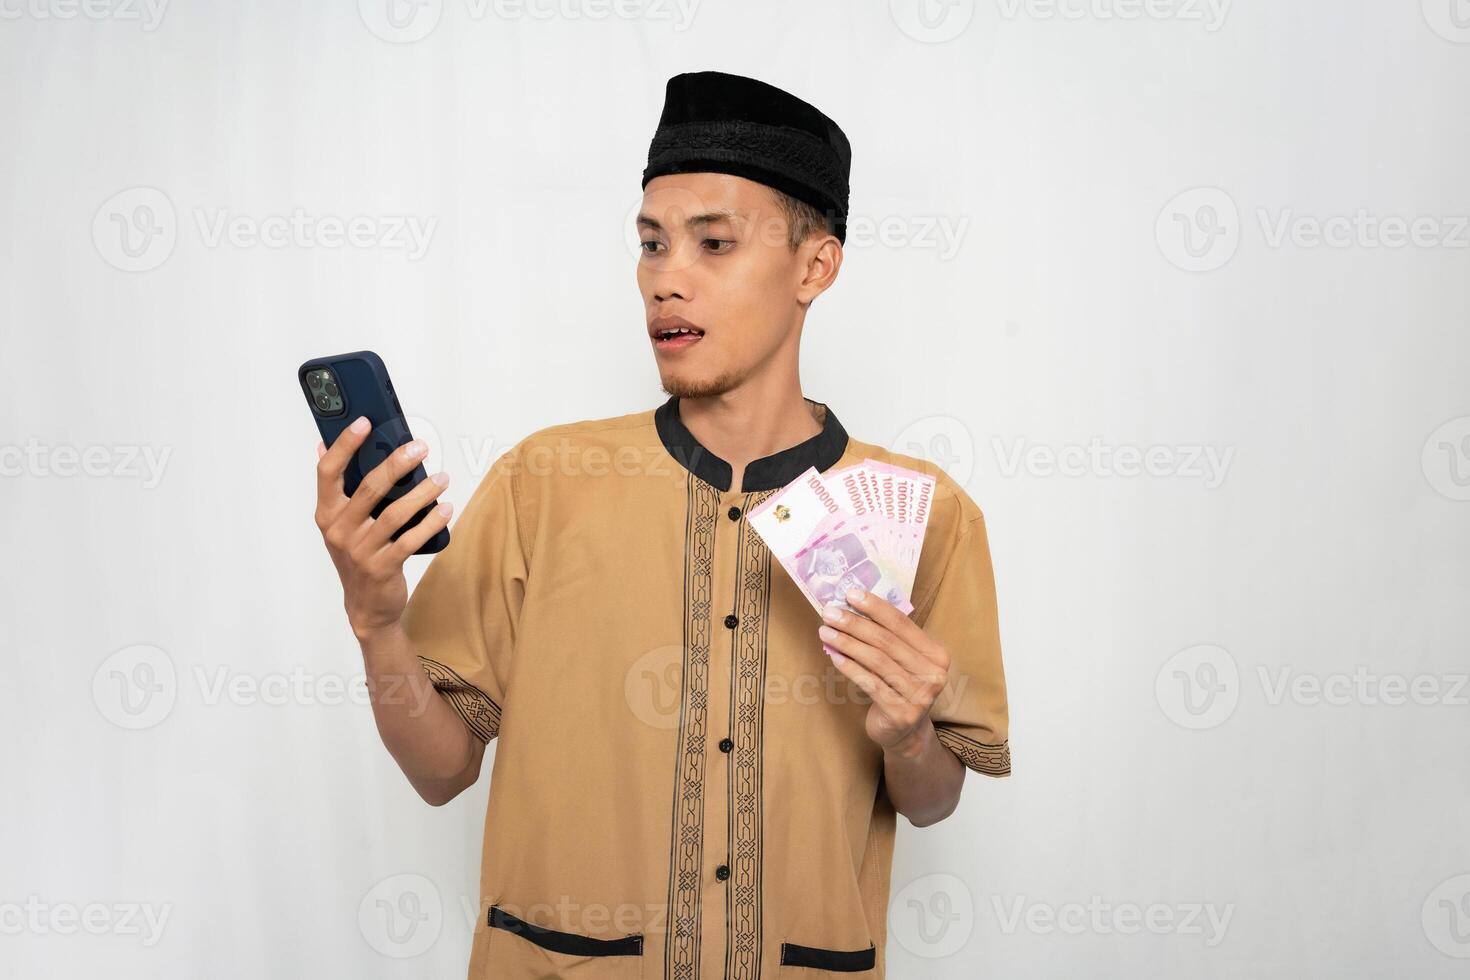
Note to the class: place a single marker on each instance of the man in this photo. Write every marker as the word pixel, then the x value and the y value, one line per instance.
pixel 686 785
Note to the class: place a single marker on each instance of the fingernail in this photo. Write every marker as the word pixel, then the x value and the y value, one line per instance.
pixel 854 595
pixel 826 632
pixel 415 449
pixel 837 658
pixel 360 424
pixel 832 612
pixel 446 508
pixel 441 478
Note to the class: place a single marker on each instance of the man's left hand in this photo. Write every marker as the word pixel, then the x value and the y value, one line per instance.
pixel 893 660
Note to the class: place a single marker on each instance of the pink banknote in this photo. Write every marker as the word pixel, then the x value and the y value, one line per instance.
pixel 861 526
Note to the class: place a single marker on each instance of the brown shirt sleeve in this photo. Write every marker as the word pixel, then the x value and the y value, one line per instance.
pixel 462 616
pixel 970 714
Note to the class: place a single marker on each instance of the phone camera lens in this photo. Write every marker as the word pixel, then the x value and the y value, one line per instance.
pixel 321 400
pixel 332 388
pixel 315 380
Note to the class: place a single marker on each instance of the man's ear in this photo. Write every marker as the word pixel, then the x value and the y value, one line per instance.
pixel 820 259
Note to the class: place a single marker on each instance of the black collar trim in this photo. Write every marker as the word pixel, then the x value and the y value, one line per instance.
pixel 821 450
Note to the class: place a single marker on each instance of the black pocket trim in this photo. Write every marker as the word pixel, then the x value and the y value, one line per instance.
pixel 836 960
pixel 570 943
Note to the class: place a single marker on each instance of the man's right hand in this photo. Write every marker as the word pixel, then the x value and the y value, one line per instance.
pixel 369 562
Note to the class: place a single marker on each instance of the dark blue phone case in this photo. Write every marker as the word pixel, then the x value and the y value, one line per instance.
pixel 366 390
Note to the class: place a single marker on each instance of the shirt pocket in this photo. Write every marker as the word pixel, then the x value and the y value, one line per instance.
pixel 795 956
pixel 519 950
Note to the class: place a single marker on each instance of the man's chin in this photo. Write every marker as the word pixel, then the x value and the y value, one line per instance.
pixel 684 386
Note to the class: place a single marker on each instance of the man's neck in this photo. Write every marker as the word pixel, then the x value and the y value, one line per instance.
pixel 747 424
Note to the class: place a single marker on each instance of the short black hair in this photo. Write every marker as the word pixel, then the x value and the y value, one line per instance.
pixel 802 219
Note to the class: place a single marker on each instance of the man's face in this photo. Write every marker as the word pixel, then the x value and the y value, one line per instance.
pixel 715 257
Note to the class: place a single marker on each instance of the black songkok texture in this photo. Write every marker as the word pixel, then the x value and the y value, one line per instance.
pixel 714 122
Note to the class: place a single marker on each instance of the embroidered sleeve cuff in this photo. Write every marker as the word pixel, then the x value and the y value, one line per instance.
pixel 983 757
pixel 480 712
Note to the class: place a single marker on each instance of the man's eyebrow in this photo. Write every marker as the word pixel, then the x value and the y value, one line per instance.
pixel 698 220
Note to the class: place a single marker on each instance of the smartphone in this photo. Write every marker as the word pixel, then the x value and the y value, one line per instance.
pixel 344 386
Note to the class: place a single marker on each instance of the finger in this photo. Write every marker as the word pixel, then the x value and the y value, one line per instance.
pixel 887 699
pixel 331 464
pixel 880 610
pixel 408 543
pixel 873 660
pixel 380 480
pixel 878 635
pixel 396 514
pixel 321 449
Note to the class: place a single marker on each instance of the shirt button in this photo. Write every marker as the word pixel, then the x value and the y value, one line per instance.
pixel 734 513
pixel 726 745
pixel 722 872
pixel 731 620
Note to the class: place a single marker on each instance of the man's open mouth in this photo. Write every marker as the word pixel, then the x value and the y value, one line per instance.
pixel 676 336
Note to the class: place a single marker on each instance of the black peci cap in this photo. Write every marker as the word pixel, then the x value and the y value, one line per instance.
pixel 721 123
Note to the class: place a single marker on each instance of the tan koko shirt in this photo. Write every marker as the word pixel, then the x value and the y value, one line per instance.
pixel 683 786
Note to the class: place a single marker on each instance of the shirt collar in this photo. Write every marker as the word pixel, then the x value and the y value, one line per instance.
pixel 776 470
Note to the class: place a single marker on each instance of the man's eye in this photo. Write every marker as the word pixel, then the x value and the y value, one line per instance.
pixel 713 244
pixel 650 246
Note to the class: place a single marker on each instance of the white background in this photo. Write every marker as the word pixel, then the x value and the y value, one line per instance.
pixel 1096 239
